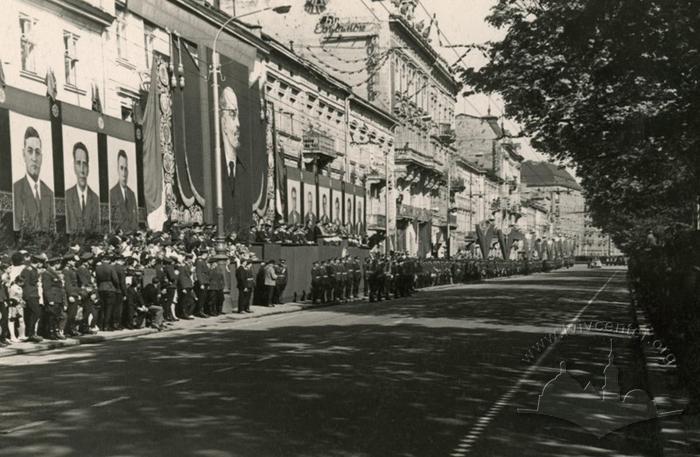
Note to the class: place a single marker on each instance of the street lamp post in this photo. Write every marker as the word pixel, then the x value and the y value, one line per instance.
pixel 217 120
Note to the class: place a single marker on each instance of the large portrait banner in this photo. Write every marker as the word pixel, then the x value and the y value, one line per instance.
pixel 82 180
pixel 123 206
pixel 293 201
pixel 33 203
pixel 324 207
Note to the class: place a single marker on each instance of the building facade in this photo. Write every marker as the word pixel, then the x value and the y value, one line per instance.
pixel 385 55
pixel 546 182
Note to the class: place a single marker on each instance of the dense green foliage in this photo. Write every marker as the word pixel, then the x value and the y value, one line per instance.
pixel 610 86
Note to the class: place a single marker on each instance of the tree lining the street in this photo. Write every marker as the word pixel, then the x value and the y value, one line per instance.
pixel 610 86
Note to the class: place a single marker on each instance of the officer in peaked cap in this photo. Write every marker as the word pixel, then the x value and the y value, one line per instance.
pixel 72 288
pixel 54 299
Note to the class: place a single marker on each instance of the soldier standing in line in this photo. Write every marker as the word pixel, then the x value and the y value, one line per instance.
pixel 70 281
pixel 331 281
pixel 54 301
pixel 88 294
pixel 281 282
pixel 365 275
pixel 217 283
pixel 357 268
pixel 315 282
pixel 30 294
pixel 185 286
pixel 325 281
pixel 245 282
pixel 349 269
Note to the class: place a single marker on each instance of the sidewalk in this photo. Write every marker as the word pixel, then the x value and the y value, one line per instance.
pixel 679 435
pixel 258 311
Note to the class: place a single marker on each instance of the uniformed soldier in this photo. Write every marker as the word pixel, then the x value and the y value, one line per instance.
pixel 119 265
pixel 107 289
pixel 315 282
pixel 217 284
pixel 30 295
pixel 202 275
pixel 357 277
pixel 349 268
pixel 54 299
pixel 330 281
pixel 245 282
pixel 88 294
pixel 185 285
pixel 281 282
pixel 72 287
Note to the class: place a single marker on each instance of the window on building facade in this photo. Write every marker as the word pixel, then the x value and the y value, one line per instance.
pixel 127 113
pixel 70 57
pixel 27 44
pixel 149 36
pixel 120 26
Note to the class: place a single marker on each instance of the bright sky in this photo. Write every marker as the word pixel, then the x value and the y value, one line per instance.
pixel 463 22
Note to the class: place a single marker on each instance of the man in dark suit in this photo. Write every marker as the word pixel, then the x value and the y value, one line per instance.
pixel 33 200
pixel 245 283
pixel 324 210
pixel 310 216
pixel 336 213
pixel 82 203
pixel 294 216
pixel 122 201
pixel 108 289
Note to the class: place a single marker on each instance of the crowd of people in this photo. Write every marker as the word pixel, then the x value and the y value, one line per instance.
pixel 399 275
pixel 143 279
pixel 156 278
pixel 305 234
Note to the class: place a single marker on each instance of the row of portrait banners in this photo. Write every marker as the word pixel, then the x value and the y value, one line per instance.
pixel 320 200
pixel 49 160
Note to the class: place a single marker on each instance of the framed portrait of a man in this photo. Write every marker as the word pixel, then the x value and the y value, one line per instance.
pixel 82 180
pixel 33 205
pixel 123 206
pixel 325 205
pixel 310 205
pixel 293 203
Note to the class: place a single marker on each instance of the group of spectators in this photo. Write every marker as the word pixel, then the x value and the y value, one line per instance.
pixel 305 234
pixel 143 279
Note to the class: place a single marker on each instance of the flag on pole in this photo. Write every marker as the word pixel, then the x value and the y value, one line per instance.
pixel 51 90
pixel 152 156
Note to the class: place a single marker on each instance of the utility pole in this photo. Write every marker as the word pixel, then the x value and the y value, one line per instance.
pixel 447 206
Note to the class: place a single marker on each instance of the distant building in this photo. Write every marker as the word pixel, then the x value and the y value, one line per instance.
pixel 484 143
pixel 544 181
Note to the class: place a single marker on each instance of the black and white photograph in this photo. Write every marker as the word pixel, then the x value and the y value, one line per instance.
pixel 123 206
pixel 82 181
pixel 32 174
pixel 350 228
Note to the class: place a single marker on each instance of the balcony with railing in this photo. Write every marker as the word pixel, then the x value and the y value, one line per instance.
pixel 376 221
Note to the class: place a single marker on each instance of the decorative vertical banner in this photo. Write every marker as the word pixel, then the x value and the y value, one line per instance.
pixel 294 196
pixel 32 174
pixel 82 180
pixel 484 233
pixel 324 204
pixel 121 165
pixel 187 132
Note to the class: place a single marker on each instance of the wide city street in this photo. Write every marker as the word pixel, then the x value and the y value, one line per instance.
pixel 441 373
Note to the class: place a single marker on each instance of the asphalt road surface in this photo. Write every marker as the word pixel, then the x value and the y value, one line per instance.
pixel 441 373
